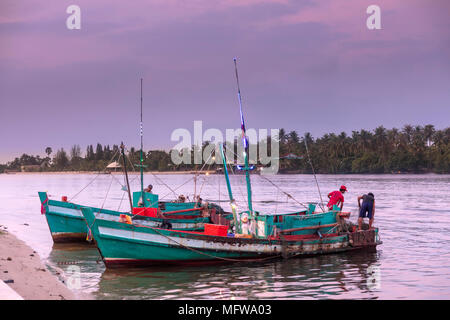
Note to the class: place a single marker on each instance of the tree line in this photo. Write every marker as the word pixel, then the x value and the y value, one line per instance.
pixel 412 149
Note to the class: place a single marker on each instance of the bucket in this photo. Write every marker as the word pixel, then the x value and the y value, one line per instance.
pixel 64 198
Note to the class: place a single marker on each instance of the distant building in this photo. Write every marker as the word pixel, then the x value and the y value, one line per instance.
pixel 30 168
pixel 113 166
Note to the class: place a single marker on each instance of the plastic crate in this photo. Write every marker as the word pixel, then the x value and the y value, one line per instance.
pixel 146 212
pixel 216 230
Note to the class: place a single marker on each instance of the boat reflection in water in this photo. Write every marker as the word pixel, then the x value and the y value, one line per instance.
pixel 344 275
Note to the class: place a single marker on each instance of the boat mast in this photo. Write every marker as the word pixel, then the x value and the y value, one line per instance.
pixel 230 193
pixel 314 173
pixel 142 159
pixel 126 174
pixel 246 147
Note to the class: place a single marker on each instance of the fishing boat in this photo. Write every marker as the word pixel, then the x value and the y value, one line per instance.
pixel 67 224
pixel 246 236
pixel 123 244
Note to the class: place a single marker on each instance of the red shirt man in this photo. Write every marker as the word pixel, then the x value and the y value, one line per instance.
pixel 336 198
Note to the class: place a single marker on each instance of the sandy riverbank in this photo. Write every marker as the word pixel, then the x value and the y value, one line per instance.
pixel 32 280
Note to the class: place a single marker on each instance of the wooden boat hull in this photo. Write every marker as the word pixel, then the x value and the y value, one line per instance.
pixel 122 244
pixel 66 223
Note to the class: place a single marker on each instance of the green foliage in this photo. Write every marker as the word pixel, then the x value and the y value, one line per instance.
pixel 411 149
pixel 61 160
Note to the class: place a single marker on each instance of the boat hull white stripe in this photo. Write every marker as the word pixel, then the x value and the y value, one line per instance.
pixel 65 211
pixel 192 243
pixel 149 223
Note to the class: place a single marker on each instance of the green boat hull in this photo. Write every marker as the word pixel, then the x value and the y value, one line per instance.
pixel 122 244
pixel 67 224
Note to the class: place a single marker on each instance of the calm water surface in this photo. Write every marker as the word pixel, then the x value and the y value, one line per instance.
pixel 413 213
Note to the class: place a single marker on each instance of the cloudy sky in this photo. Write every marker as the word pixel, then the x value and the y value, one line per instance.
pixel 304 65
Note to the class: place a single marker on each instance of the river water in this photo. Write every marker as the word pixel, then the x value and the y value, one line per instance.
pixel 413 214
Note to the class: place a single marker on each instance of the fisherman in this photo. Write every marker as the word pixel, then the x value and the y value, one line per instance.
pixel 366 209
pixel 336 198
pixel 148 189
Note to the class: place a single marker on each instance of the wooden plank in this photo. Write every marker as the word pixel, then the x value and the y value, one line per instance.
pixel 310 228
pixel 180 211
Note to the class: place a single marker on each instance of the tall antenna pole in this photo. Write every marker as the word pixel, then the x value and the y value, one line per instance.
pixel 230 193
pixel 314 173
pixel 245 142
pixel 126 175
pixel 142 158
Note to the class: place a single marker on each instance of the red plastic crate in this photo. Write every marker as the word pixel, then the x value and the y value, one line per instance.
pixel 216 230
pixel 146 212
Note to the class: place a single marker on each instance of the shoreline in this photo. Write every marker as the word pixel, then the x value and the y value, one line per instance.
pixel 32 280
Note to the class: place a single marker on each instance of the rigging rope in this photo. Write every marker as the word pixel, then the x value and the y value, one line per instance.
pixel 278 188
pixel 197 173
pixel 314 173
pixel 107 192
pixel 73 197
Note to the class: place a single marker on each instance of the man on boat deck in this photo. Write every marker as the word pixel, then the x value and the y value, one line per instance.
pixel 148 189
pixel 367 209
pixel 336 198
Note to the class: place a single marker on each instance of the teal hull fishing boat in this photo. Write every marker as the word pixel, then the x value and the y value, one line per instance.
pixel 67 224
pixel 302 234
pixel 244 236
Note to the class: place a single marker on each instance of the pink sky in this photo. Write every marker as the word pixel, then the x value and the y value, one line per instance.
pixel 300 60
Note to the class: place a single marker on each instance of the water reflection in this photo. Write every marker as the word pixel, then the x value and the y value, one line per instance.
pixel 341 275
pixel 413 261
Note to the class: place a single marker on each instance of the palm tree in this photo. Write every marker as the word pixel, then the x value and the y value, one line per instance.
pixel 47 160
pixel 407 131
pixel 392 138
pixel 438 138
pixel 366 140
pixel 282 136
pixel 48 151
pixel 429 131
pixel 293 141
pixel 355 142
